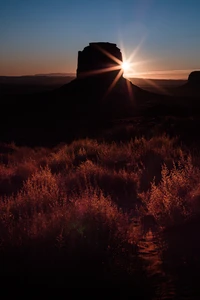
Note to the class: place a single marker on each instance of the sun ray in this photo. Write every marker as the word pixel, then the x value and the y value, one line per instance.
pixel 117 64
pixel 158 87
pixel 112 57
pixel 125 66
pixel 130 60
pixel 140 62
pixel 130 90
pixel 117 77
pixel 100 71
pixel 134 53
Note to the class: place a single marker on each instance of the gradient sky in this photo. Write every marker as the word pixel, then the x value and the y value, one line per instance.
pixel 44 36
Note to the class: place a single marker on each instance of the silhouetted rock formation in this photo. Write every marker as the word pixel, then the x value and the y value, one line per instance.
pixel 99 59
pixel 190 89
pixel 98 95
pixel 194 78
pixel 99 92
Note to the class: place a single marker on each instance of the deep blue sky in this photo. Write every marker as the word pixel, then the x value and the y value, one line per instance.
pixel 44 36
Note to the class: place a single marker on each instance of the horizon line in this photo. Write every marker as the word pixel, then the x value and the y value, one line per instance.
pixel 74 76
pixel 156 75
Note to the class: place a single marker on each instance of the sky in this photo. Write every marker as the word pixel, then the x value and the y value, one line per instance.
pixel 44 36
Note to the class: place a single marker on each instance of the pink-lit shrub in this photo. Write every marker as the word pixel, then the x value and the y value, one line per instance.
pixel 91 192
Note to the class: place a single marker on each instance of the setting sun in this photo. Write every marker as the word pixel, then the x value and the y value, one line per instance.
pixel 125 66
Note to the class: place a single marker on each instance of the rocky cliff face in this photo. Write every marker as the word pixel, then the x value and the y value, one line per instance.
pixel 102 59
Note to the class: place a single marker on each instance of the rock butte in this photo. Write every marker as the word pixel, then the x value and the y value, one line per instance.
pixel 99 59
pixel 194 78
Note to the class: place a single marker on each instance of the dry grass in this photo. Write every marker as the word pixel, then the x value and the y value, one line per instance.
pixel 87 195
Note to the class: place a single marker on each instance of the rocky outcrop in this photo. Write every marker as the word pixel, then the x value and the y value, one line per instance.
pixel 99 59
pixel 190 89
pixel 194 78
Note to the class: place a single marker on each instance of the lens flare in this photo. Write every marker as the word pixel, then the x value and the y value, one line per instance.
pixel 126 66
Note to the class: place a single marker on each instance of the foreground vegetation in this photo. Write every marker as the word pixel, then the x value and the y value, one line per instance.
pixel 76 209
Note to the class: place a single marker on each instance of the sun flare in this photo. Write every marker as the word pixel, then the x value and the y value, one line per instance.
pixel 125 66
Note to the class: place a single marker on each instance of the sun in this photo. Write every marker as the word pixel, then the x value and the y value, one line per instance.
pixel 125 66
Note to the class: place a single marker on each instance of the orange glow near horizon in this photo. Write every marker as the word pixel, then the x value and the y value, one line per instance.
pixel 136 69
pixel 157 75
pixel 133 66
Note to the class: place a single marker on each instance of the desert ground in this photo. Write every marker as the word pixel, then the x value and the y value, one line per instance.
pixel 102 203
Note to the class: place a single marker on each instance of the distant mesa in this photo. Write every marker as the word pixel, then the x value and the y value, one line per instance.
pixel 100 58
pixel 191 88
pixel 194 78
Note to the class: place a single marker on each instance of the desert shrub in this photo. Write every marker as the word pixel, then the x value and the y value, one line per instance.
pixel 7 173
pixel 152 174
pixel 120 185
pixel 170 201
pixel 17 165
pixel 60 160
pixel 91 228
pixel 80 205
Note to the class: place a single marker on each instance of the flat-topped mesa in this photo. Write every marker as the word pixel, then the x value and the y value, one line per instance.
pixel 99 59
